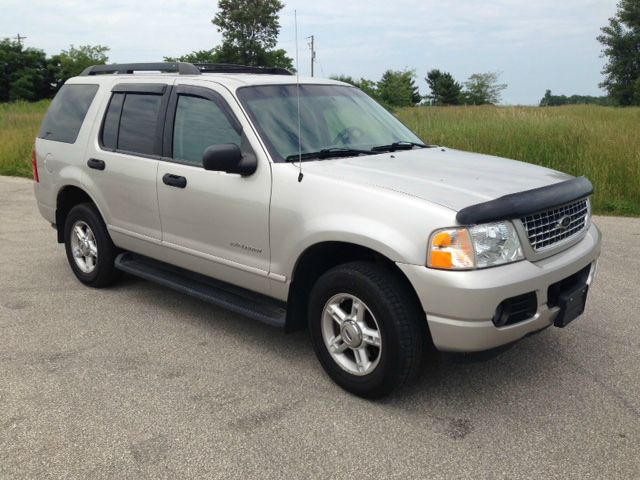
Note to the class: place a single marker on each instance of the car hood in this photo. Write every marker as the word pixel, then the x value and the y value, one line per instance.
pixel 451 178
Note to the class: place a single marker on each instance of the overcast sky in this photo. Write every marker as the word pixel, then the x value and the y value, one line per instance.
pixel 536 44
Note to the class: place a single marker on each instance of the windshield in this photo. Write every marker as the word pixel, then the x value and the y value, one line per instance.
pixel 331 117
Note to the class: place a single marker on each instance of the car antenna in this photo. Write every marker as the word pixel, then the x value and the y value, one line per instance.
pixel 300 175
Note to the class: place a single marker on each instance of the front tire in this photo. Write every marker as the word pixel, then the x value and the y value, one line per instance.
pixel 366 328
pixel 90 251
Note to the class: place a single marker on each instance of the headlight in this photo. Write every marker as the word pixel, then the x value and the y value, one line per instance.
pixel 479 246
pixel 495 244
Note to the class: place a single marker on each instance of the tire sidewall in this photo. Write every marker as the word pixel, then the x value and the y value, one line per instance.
pixel 88 215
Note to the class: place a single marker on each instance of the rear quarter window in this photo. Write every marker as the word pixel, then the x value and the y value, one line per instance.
pixel 66 113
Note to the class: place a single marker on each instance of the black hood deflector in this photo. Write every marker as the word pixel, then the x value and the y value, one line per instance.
pixel 520 204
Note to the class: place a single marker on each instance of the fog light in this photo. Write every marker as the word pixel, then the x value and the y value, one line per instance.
pixel 503 312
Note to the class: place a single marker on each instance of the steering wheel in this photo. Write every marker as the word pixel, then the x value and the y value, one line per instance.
pixel 349 135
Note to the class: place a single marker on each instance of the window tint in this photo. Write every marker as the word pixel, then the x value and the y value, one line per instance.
pixel 111 122
pixel 67 111
pixel 199 123
pixel 138 123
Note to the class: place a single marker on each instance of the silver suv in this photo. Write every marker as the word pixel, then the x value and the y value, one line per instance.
pixel 305 203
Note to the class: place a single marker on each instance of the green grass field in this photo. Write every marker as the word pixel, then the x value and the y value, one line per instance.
pixel 601 143
pixel 19 124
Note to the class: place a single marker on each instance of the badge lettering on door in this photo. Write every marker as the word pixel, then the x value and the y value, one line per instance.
pixel 246 247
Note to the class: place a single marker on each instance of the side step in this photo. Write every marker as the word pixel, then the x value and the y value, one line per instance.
pixel 236 299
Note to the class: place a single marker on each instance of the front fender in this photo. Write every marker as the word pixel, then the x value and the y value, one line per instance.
pixel 321 209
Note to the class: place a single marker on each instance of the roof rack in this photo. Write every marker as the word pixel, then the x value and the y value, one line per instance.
pixel 181 68
pixel 234 68
pixel 129 68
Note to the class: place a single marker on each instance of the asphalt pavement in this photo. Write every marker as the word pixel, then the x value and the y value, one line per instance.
pixel 137 381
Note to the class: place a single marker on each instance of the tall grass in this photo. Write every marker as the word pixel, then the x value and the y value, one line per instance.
pixel 19 124
pixel 601 143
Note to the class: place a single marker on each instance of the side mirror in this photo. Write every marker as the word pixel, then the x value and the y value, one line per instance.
pixel 227 157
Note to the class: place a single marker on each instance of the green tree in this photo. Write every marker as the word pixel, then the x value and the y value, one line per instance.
pixel 621 45
pixel 70 63
pixel 345 78
pixel 367 86
pixel 199 56
pixel 397 88
pixel 24 73
pixel 550 100
pixel 250 31
pixel 483 89
pixel 444 89
pixel 278 58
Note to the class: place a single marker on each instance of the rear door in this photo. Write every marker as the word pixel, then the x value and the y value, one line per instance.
pixel 214 223
pixel 122 163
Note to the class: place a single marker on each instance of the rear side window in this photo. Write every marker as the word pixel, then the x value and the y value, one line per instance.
pixel 200 123
pixel 131 123
pixel 138 123
pixel 66 113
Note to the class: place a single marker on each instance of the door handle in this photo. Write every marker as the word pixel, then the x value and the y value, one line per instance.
pixel 174 180
pixel 96 164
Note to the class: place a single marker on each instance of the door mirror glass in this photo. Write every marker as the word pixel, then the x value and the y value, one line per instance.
pixel 228 157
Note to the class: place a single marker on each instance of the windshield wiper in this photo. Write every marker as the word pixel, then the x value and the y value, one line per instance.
pixel 403 145
pixel 334 152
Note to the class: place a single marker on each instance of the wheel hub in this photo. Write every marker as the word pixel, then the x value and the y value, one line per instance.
pixel 84 247
pixel 351 333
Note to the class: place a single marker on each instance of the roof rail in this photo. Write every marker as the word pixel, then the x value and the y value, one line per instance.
pixel 233 68
pixel 181 68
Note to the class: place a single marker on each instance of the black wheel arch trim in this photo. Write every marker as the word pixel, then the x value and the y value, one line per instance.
pixel 520 204
pixel 60 219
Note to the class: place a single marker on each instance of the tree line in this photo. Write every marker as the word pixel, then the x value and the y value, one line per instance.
pixel 29 74
pixel 397 88
pixel 551 100
pixel 250 30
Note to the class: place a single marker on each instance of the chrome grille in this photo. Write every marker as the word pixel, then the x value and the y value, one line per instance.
pixel 545 229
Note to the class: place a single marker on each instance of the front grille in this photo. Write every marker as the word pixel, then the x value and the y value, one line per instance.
pixel 545 229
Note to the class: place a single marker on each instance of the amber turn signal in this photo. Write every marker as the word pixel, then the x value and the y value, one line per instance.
pixel 451 249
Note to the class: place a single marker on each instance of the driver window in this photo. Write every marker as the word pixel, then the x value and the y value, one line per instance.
pixel 199 123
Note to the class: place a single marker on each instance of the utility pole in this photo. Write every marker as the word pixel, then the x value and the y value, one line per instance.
pixel 313 52
pixel 19 38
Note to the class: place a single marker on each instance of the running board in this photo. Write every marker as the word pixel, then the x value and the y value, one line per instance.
pixel 236 299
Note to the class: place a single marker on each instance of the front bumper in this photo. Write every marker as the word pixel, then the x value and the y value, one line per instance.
pixel 460 305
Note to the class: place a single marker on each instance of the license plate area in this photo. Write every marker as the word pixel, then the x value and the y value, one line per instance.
pixel 571 303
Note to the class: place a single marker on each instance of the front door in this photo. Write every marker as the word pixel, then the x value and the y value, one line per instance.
pixel 214 223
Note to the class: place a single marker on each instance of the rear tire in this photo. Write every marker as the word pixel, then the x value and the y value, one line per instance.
pixel 90 251
pixel 366 328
